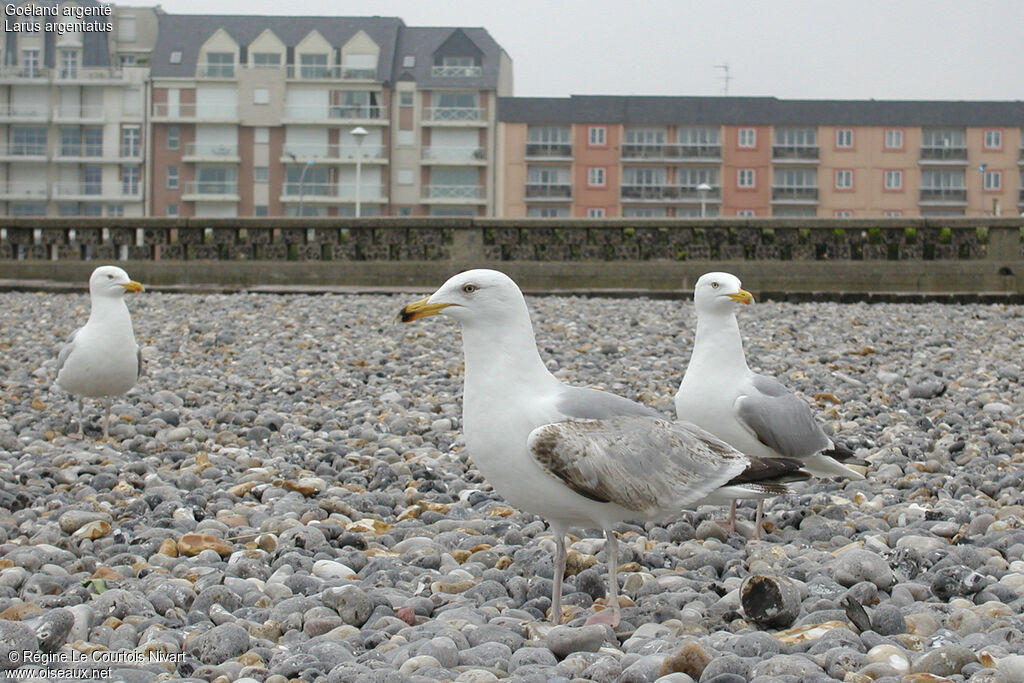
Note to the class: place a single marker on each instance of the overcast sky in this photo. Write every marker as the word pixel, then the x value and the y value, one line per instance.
pixel 813 49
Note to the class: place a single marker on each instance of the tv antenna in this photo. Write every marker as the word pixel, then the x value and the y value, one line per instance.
pixel 725 78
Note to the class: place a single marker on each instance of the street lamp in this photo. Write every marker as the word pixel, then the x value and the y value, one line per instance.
pixel 703 188
pixel 359 133
pixel 302 178
pixel 981 172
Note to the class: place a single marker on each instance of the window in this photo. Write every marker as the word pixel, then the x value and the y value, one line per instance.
pixel 748 213
pixel 993 139
pixel 173 137
pixel 894 180
pixel 844 179
pixel 842 213
pixel 747 138
pixel 28 209
pixel 126 60
pixel 595 176
pixel 92 210
pixel 266 60
pixel 596 136
pixel 69 63
pixel 115 210
pixel 993 181
pixel 261 96
pixel 220 64
pixel 844 138
pixel 29 64
pixel 644 212
pixel 28 141
pixel 547 212
pixel 313 66
pixel 93 142
pixel 405 176
pixel 595 213
pixel 261 135
pixel 261 210
pixel 746 177
pixel 70 144
pixel 172 177
pixel 354 65
pixel 130 180
pixel 403 211
pixel 67 209
pixel 408 61
pixel 261 174
pixel 893 138
pixel 171 210
pixel 405 98
pixel 548 141
pixel 131 141
pixel 894 213
pixel 126 28
pixel 175 57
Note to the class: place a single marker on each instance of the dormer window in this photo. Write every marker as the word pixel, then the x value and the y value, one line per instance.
pixel 355 65
pixel 313 65
pixel 456 67
pixel 266 60
pixel 220 65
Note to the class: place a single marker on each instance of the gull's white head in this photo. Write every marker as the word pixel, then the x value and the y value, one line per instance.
pixel 718 292
pixel 471 297
pixel 111 281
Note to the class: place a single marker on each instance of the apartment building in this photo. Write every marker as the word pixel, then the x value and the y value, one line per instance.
pixel 72 109
pixel 323 116
pixel 594 156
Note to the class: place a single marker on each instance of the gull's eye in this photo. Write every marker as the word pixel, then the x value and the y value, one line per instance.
pixel 469 288
pixel 714 285
pixel 110 276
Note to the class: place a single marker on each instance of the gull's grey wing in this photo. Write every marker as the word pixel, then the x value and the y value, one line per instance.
pixel 592 404
pixel 65 351
pixel 643 464
pixel 780 419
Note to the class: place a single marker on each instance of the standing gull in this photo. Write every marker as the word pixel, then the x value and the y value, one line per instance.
pixel 575 456
pixel 101 358
pixel 754 413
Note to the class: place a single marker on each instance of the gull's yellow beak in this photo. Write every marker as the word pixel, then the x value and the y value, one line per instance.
pixel 134 286
pixel 420 309
pixel 742 297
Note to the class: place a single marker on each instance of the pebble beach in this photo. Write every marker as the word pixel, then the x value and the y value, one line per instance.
pixel 286 495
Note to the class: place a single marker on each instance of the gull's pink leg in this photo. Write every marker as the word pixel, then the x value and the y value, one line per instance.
pixel 610 615
pixel 556 590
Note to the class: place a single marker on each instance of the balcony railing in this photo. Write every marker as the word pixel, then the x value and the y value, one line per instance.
pixel 671 151
pixel 795 194
pixel 331 152
pixel 312 112
pixel 454 154
pixel 456 71
pixel 91 73
pixel 453 114
pixel 15 190
pixel 219 112
pixel 559 150
pixel 130 151
pixel 97 190
pixel 956 195
pixel 795 152
pixel 548 191
pixel 24 72
pixel 23 112
pixel 358 73
pixel 211 187
pixel 23 149
pixel 339 191
pixel 667 192
pixel 215 70
pixel 453 192
pixel 943 153
pixel 80 151
pixel 207 149
pixel 83 112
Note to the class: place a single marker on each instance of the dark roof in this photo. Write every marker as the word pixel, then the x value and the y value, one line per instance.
pixel 188 33
pixel 756 111
pixel 422 42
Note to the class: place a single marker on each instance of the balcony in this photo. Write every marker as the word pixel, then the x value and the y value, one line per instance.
pixel 215 70
pixel 312 193
pixel 210 191
pixel 671 152
pixel 94 191
pixel 541 191
pixel 163 111
pixel 456 71
pixel 23 151
pixel 455 156
pixel 21 113
pixel 548 150
pixel 454 194
pixel 78 114
pixel 370 154
pixel 211 152
pixel 80 153
pixel 454 115
pixel 307 113
pixel 671 193
pixel 943 154
pixel 356 73
pixel 14 191
pixel 795 153
pixel 24 72
pixel 795 195
pixel 92 75
pixel 944 195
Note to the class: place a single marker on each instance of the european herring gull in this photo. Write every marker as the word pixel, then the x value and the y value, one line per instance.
pixel 101 358
pixel 753 413
pixel 577 457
